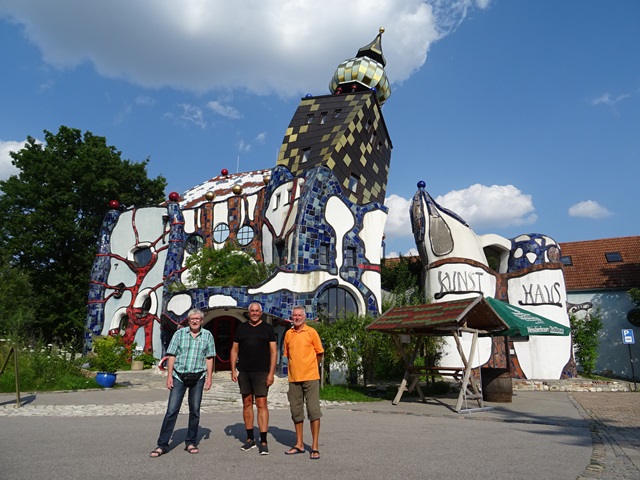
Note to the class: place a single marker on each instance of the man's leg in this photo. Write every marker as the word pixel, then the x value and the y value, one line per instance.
pixel 296 405
pixel 173 408
pixel 195 399
pixel 263 414
pixel 315 433
pixel 247 411
pixel 312 398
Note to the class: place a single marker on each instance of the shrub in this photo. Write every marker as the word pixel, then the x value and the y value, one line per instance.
pixel 227 266
pixel 42 367
pixel 584 332
pixel 110 354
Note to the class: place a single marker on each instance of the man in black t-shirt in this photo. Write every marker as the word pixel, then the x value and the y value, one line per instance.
pixel 254 351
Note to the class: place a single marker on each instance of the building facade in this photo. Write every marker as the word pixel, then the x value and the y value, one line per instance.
pixel 318 215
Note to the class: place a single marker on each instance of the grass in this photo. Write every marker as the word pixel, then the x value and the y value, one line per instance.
pixel 340 393
pixel 42 369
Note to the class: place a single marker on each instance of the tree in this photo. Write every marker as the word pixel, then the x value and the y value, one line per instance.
pixel 52 212
pixel 585 333
pixel 226 266
pixel 16 300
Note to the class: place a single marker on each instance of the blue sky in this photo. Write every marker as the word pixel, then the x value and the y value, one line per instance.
pixel 521 116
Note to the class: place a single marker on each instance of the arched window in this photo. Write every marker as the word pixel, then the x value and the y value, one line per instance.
pixel 335 302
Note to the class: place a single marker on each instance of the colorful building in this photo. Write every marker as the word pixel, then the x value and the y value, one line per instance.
pixel 318 215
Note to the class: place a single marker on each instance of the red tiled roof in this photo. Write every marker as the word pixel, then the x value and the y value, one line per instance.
pixel 590 269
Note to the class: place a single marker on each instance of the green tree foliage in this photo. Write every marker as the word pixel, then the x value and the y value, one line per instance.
pixel 17 315
pixel 402 277
pixel 368 353
pixel 585 334
pixel 226 266
pixel 52 211
pixel 634 293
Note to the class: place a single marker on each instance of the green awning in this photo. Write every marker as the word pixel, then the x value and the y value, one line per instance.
pixel 523 322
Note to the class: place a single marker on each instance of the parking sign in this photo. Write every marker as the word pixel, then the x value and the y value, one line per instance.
pixel 627 336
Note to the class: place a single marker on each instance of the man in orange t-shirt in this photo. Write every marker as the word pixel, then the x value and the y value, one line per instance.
pixel 303 348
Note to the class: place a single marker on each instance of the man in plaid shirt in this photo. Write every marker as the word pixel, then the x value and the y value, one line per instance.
pixel 189 367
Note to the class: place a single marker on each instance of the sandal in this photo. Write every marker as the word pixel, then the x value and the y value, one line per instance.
pixel 294 451
pixel 158 452
pixel 314 455
pixel 192 449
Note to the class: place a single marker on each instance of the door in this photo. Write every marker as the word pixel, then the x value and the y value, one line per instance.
pixel 223 330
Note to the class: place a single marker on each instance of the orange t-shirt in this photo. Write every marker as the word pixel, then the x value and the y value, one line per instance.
pixel 301 347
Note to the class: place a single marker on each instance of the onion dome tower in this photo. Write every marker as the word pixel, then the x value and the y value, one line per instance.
pixel 364 72
pixel 345 131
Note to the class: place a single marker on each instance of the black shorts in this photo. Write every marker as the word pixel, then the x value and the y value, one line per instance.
pixel 253 383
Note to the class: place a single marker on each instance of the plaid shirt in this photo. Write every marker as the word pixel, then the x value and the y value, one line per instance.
pixel 191 352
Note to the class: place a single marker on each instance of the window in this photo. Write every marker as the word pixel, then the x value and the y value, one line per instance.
pixel 351 258
pixel 566 260
pixel 323 255
pixel 337 114
pixel 220 233
pixel 613 257
pixel 288 196
pixel 194 243
pixel 354 180
pixel 323 118
pixel 245 235
pixel 309 119
pixel 305 154
pixel 142 256
pixel 276 201
pixel 335 302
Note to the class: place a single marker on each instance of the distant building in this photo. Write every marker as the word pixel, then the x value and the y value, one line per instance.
pixel 319 215
pixel 598 274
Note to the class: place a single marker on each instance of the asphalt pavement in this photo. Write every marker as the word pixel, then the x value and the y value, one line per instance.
pixel 109 433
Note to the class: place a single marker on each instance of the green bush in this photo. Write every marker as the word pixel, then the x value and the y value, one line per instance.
pixel 226 266
pixel 110 354
pixel 585 334
pixel 148 359
pixel 42 367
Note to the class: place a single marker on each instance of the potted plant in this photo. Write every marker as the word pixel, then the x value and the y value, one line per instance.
pixel 143 360
pixel 109 356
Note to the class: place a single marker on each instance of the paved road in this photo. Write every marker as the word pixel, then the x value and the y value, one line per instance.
pixel 108 434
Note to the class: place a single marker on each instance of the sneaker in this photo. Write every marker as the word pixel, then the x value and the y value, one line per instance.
pixel 263 448
pixel 248 445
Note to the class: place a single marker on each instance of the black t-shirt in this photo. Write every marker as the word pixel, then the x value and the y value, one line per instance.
pixel 254 354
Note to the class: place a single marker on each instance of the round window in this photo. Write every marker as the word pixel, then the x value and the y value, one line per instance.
pixel 245 235
pixel 220 233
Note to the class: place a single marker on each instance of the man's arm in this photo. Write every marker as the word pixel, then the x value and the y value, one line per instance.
pixel 170 362
pixel 273 355
pixel 233 357
pixel 209 379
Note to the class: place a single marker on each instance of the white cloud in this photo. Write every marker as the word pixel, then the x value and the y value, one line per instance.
pixel 261 137
pixel 589 209
pixel 226 111
pixel 243 146
pixel 6 167
pixel 260 47
pixel 482 207
pixel 497 206
pixel 189 115
pixel 398 221
pixel 412 252
pixel 605 99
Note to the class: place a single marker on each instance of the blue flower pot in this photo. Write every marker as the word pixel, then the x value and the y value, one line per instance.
pixel 106 380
